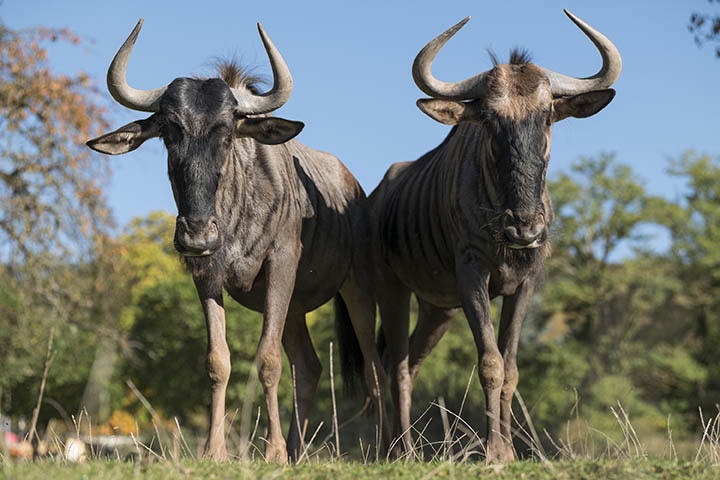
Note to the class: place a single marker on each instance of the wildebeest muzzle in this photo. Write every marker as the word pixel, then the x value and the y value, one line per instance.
pixel 197 236
pixel 523 231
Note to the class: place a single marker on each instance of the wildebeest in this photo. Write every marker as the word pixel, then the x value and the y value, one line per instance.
pixel 283 228
pixel 469 220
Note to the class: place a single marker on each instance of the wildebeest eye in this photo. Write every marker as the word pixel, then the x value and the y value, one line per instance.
pixel 172 133
pixel 223 132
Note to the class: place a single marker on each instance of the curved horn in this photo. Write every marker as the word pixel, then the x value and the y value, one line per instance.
pixel 124 94
pixel 282 83
pixel 467 89
pixel 609 72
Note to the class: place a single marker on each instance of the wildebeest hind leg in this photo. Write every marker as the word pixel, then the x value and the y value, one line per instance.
pixel 307 369
pixel 361 308
pixel 432 324
pixel 394 303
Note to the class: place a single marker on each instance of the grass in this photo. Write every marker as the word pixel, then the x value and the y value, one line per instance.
pixel 451 458
pixel 458 454
pixel 570 469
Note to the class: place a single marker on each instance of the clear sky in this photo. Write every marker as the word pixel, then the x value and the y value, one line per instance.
pixel 353 87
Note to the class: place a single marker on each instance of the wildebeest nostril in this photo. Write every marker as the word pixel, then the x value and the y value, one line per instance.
pixel 511 232
pixel 213 225
pixel 182 222
pixel 197 236
pixel 522 234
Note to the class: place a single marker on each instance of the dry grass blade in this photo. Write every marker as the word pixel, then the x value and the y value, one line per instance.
pixel 144 401
pixel 336 430
pixel 379 406
pixel 462 404
pixel 400 437
pixel 307 447
pixel 300 428
pixel 32 433
pixel 672 453
pixel 182 437
pixel 447 449
pixel 639 449
pixel 472 433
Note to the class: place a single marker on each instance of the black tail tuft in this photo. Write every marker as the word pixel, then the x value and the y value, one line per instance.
pixel 351 358
pixel 383 351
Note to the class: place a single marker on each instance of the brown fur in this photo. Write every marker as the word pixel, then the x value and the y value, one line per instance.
pixel 516 91
pixel 237 75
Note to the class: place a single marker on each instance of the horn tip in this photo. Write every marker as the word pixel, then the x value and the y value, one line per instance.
pixel 136 31
pixel 260 27
pixel 453 30
pixel 575 19
pixel 571 15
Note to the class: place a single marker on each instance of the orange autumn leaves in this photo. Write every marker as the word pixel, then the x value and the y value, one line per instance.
pixel 51 185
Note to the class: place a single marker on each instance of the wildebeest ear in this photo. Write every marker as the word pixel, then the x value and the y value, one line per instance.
pixel 449 112
pixel 127 138
pixel 268 130
pixel 582 105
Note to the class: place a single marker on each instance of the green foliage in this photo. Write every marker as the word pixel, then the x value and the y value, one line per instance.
pixel 52 209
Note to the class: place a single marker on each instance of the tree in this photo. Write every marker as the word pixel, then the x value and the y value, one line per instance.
pixel 694 224
pixel 706 28
pixel 52 207
pixel 610 326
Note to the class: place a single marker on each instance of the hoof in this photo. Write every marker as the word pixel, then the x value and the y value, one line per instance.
pixel 215 453
pixel 276 454
pixel 500 452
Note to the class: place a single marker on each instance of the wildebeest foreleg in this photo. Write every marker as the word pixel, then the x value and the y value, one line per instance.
pixel 281 270
pixel 473 288
pixel 218 369
pixel 513 313
pixel 394 303
pixel 302 357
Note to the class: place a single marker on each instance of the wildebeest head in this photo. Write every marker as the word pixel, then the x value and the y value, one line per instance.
pixel 198 120
pixel 515 105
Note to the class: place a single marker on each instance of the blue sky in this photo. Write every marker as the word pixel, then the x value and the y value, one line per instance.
pixel 353 88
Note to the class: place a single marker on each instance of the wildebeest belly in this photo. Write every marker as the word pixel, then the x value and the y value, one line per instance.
pixel 438 286
pixel 433 283
pixel 318 278
pixel 313 288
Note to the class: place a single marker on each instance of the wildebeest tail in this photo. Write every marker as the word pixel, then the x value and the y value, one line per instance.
pixel 351 358
pixel 383 352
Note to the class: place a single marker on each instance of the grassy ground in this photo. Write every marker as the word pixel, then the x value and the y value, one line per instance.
pixel 585 469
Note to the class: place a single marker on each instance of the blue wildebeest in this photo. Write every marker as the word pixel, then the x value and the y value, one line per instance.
pixel 469 220
pixel 282 227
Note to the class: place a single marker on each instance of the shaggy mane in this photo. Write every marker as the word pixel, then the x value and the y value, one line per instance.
pixel 518 56
pixel 237 75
